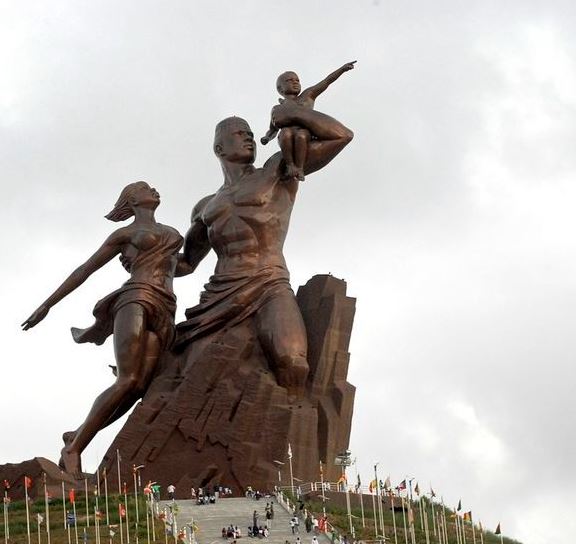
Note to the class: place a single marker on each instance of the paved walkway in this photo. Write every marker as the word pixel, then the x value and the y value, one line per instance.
pixel 210 518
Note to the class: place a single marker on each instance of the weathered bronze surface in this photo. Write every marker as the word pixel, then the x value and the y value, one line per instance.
pixel 140 313
pixel 252 368
pixel 246 222
pixel 215 414
pixel 238 389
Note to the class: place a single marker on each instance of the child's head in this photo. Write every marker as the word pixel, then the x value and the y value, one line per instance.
pixel 288 84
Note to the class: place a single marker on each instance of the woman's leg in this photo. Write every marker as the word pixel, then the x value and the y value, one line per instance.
pixel 134 364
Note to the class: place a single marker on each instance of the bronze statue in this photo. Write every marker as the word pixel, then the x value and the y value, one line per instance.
pixel 246 222
pixel 140 314
pixel 294 140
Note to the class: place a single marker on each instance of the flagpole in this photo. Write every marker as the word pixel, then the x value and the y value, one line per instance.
pixel 75 518
pixel 393 517
pixel 375 516
pixel 46 508
pixel 432 505
pixel 5 522
pixel 119 498
pixel 38 524
pixel 148 518
pixel 127 517
pixel 291 473
pixel 322 484
pixel 481 529
pixel 361 494
pixel 404 519
pixel 380 517
pixel 97 512
pixel 426 530
pixel 473 529
pixel 87 502
pixel 26 482
pixel 134 471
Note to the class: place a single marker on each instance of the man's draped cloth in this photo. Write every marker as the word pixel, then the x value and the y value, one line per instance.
pixel 228 299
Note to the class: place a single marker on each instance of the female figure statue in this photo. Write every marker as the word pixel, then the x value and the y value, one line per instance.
pixel 140 314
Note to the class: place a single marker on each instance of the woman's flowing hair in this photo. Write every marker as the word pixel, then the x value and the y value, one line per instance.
pixel 123 209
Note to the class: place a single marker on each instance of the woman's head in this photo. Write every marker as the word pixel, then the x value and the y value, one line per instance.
pixel 131 196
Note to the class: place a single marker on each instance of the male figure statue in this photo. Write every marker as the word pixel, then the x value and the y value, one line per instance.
pixel 246 222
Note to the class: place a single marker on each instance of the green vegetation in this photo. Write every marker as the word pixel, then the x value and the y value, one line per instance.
pixel 59 535
pixel 338 518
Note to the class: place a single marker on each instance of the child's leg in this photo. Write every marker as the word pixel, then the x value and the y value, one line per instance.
pixel 301 139
pixel 286 142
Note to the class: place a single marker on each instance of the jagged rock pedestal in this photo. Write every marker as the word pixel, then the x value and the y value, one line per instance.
pixel 215 414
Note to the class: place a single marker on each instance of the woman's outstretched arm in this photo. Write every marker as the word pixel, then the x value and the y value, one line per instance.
pixel 109 249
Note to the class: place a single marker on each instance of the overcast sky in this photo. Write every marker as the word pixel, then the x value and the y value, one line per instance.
pixel 451 215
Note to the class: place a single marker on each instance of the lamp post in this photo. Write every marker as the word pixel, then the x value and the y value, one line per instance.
pixel 344 459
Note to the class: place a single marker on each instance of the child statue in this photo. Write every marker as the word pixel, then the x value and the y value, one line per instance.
pixel 294 140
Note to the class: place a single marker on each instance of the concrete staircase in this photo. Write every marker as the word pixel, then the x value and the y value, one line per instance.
pixel 210 518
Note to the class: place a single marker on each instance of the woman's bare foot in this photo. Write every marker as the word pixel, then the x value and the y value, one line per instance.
pixel 300 174
pixel 69 459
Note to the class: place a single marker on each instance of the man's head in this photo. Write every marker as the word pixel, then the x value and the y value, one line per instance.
pixel 288 84
pixel 234 141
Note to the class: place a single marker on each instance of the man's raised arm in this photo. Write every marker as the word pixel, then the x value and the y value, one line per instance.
pixel 331 136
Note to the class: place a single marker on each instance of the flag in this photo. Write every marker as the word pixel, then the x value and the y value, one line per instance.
pixel 121 510
pixel 417 489
pixel 98 514
pixel 387 483
pixel 467 516
pixel 289 451
pixel 497 531
pixel 322 524
pixel 321 469
pixel 6 485
pixel 359 483
pixel 432 494
pixel 459 507
pixel 372 486
pixel 40 518
pixel 480 526
pixel 401 485
pixel 125 489
pixel 71 496
pixel 112 533
pixel 342 479
pixel 27 482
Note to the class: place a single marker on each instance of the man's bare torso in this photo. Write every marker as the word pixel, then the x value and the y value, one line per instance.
pixel 247 221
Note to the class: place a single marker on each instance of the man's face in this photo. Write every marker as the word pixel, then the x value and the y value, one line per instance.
pixel 237 143
pixel 289 84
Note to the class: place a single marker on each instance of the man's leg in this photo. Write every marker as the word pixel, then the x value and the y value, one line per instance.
pixel 282 335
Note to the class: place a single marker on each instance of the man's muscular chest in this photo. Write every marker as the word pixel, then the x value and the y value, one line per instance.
pixel 248 199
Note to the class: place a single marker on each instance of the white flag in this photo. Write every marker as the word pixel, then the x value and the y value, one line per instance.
pixel 289 451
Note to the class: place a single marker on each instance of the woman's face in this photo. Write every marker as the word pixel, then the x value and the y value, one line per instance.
pixel 145 196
